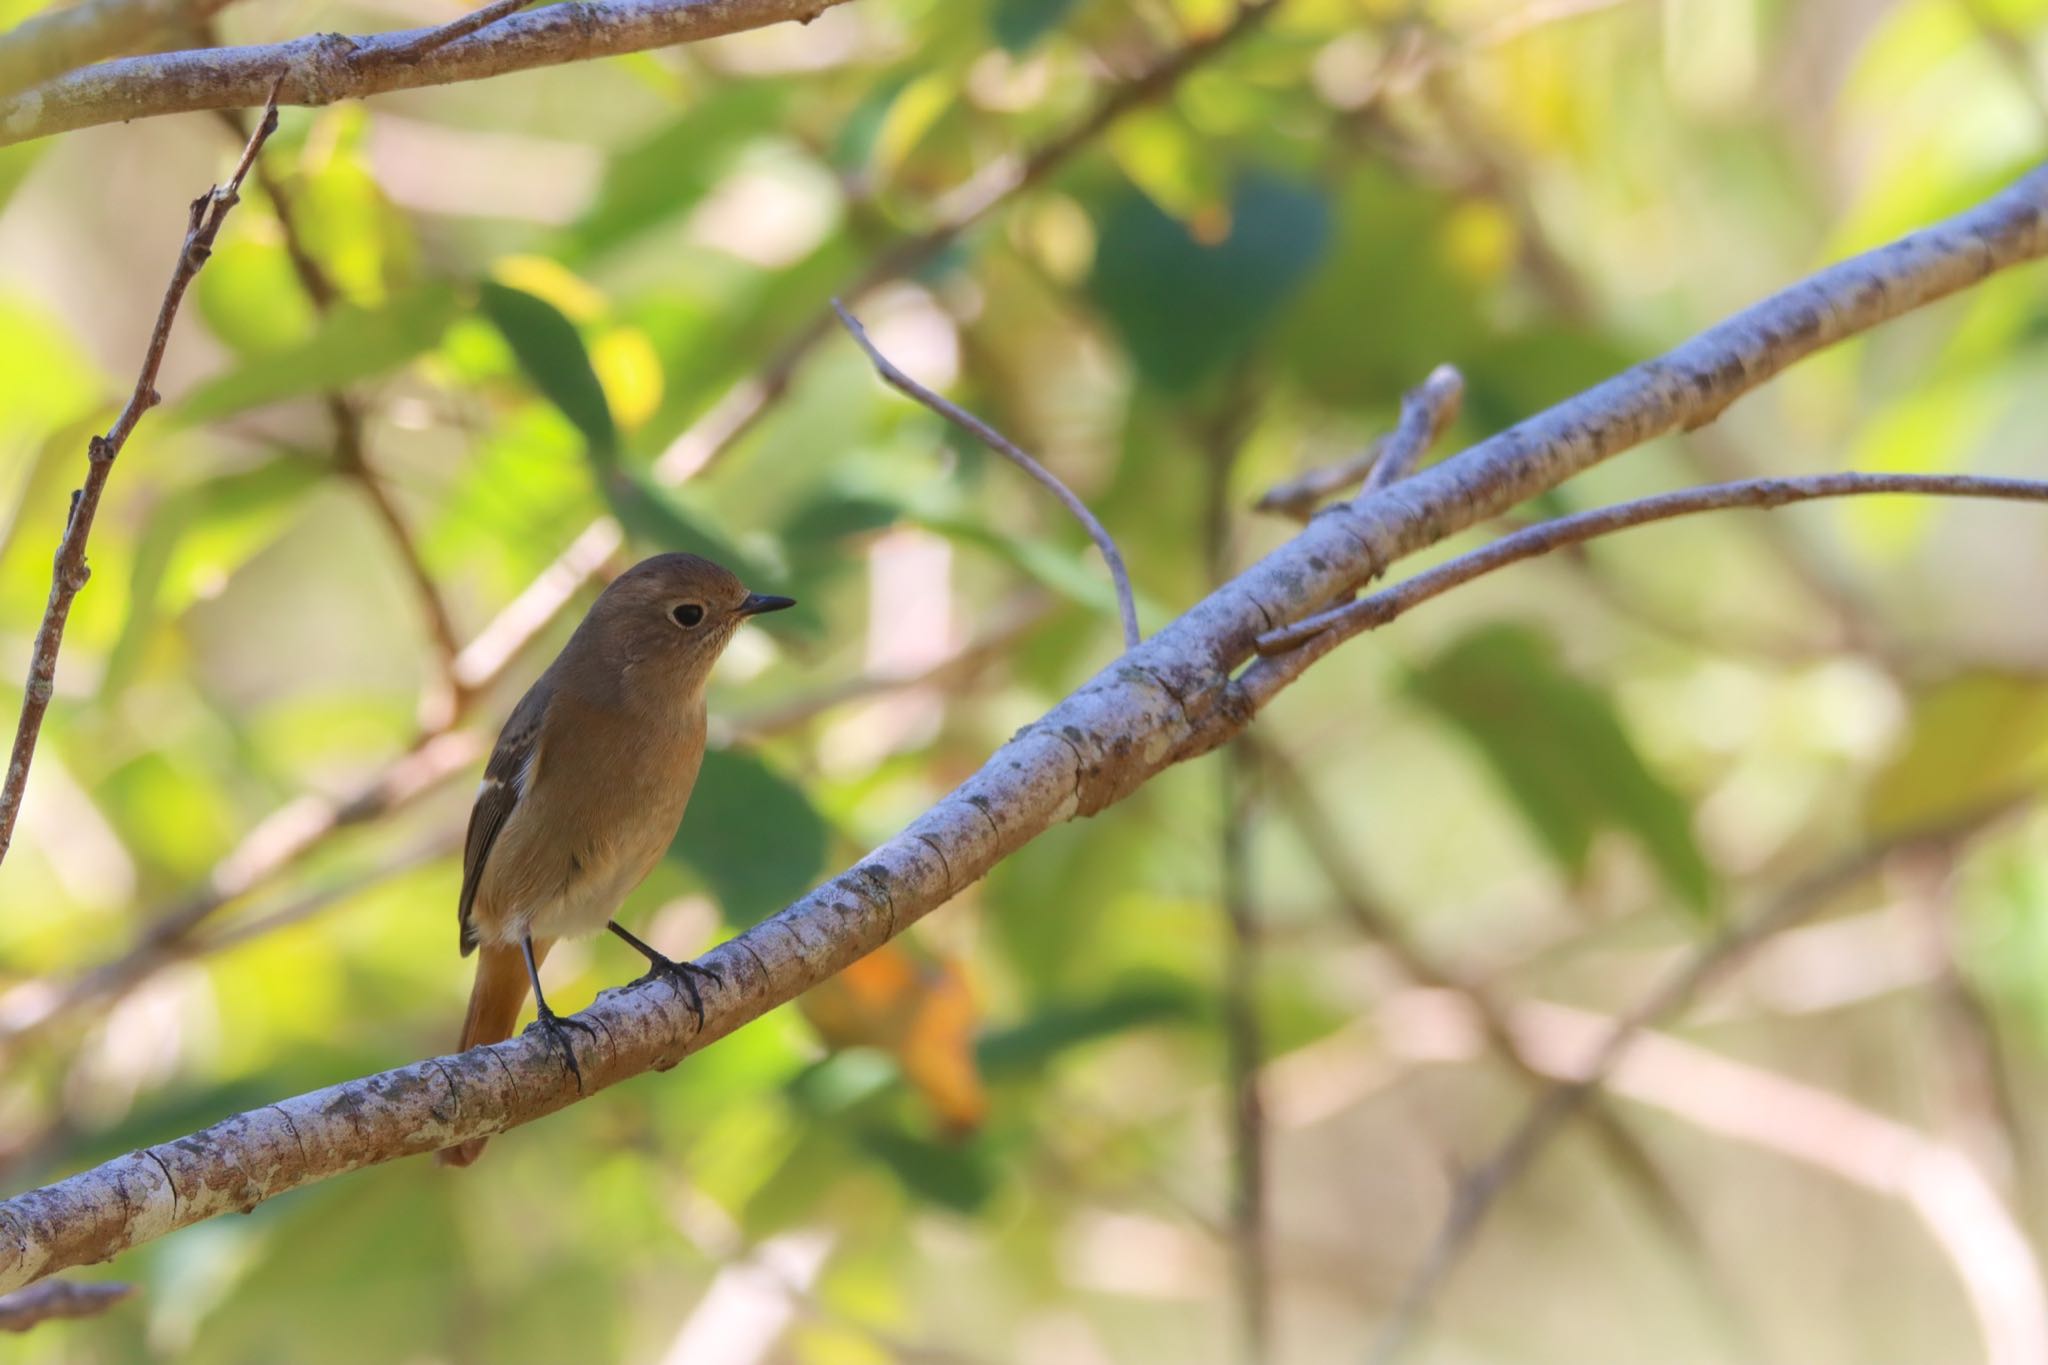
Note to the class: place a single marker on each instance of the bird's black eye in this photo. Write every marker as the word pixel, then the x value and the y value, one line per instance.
pixel 689 614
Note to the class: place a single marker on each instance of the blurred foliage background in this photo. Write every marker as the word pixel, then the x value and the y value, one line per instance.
pixel 1007 1138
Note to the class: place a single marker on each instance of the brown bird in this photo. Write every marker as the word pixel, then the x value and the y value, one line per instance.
pixel 587 786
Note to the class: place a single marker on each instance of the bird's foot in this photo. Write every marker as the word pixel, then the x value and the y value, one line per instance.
pixel 557 1028
pixel 682 976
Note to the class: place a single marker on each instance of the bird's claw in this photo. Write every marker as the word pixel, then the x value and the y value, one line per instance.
pixel 556 1027
pixel 683 977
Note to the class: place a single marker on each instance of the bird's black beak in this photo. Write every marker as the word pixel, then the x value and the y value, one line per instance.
pixel 759 602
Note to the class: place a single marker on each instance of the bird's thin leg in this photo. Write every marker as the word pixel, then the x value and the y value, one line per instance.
pixel 555 1025
pixel 682 975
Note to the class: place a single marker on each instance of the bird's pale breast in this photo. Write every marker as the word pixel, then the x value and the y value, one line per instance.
pixel 609 800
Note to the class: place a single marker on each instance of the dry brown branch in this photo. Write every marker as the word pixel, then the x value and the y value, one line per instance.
pixel 288 835
pixel 353 458
pixel 327 67
pixel 1630 1160
pixel 1002 445
pixel 208 212
pixel 39 1303
pixel 1220 439
pixel 1382 607
pixel 1176 696
pixel 1989 1251
pixel 1482 1187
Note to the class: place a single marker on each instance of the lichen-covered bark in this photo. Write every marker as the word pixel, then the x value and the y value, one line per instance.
pixel 1169 699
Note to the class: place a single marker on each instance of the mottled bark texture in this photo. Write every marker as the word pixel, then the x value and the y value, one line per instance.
pixel 327 67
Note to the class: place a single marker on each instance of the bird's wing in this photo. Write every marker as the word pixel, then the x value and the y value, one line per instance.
pixel 506 779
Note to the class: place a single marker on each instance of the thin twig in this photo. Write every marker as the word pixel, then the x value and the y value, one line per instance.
pixel 354 461
pixel 352 455
pixel 39 1303
pixel 1299 496
pixel 1369 612
pixel 1427 410
pixel 1632 1163
pixel 208 212
pixel 1483 1186
pixel 1220 438
pixel 1245 1046
pixel 277 843
pixel 1003 446
pixel 420 46
pixel 1974 1229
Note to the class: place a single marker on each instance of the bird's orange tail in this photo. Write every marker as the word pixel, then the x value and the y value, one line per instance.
pixel 494 1005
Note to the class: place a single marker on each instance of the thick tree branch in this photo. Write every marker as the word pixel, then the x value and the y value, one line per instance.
pixel 1002 445
pixel 1169 699
pixel 208 212
pixel 1382 607
pixel 65 38
pixel 327 67
pixel 350 445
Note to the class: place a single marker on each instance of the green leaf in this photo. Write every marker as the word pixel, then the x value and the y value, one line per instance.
pixel 647 184
pixel 752 835
pixel 954 1176
pixel 348 345
pixel 196 539
pixel 1026 1047
pixel 1557 745
pixel 1974 740
pixel 1386 295
pixel 557 363
pixel 1018 24
pixel 251 298
pixel 1185 307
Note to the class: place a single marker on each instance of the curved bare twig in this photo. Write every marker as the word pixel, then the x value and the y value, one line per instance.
pixel 209 211
pixel 1002 445
pixel 1382 607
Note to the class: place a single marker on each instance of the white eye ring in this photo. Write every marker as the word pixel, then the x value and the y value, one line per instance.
pixel 688 615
